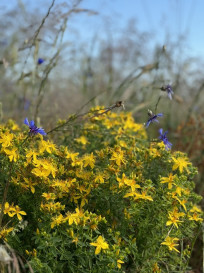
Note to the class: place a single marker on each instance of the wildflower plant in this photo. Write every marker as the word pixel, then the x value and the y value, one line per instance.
pixel 163 138
pixel 34 130
pixel 102 199
pixel 152 118
pixel 168 88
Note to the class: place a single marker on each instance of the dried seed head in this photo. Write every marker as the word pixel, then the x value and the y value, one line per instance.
pixel 120 104
pixel 150 113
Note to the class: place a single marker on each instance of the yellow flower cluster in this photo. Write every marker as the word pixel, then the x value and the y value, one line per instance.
pixel 110 174
pixel 12 210
pixel 79 217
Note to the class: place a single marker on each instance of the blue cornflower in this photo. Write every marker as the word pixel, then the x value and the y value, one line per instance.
pixel 153 118
pixel 40 61
pixel 34 130
pixel 168 89
pixel 164 139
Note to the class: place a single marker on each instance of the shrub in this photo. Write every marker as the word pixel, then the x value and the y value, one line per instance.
pixel 105 200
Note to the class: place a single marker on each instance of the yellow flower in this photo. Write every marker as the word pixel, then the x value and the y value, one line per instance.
pixel 29 184
pixel 138 195
pixel 83 140
pixel 46 146
pixel 195 209
pixel 121 180
pixel 119 262
pixel 57 220
pixel 182 203
pixel 129 123
pixel 174 217
pixel 44 168
pixel 110 123
pixel 11 124
pixel 75 217
pixel 156 269
pixel 169 241
pixel 195 217
pixel 118 157
pixel 99 178
pixel 31 154
pixel 49 196
pixel 75 240
pixel 6 139
pixel 143 196
pixel 52 207
pixel 9 209
pixel 122 143
pixel 13 156
pixel 41 172
pixel 178 190
pixel 100 244
pixel 180 163
pixel 89 160
pixel 6 208
pixel 124 181
pixel 69 155
pixel 63 185
pixel 4 232
pixel 154 152
pixel 132 184
pixel 169 180
pixel 18 212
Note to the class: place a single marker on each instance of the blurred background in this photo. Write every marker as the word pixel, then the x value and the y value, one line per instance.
pixel 59 57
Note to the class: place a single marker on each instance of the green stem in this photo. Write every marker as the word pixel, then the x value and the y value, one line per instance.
pixel 4 201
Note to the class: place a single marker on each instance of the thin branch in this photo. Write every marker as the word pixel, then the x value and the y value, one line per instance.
pixel 43 83
pixel 42 23
pixel 155 111
pixel 35 37
pixel 76 116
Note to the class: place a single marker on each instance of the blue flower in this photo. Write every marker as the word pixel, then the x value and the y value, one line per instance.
pixel 168 89
pixel 40 61
pixel 34 130
pixel 153 118
pixel 164 139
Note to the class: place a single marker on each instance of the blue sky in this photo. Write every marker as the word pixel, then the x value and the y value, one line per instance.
pixel 177 17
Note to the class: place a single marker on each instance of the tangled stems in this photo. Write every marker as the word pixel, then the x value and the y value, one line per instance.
pixel 98 113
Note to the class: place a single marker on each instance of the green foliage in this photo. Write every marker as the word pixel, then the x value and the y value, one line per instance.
pixel 106 200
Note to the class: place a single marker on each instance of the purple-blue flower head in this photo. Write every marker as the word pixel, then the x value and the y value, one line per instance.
pixel 34 130
pixel 163 138
pixel 168 88
pixel 40 61
pixel 153 118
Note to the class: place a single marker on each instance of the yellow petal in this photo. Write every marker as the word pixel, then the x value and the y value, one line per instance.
pixel 98 250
